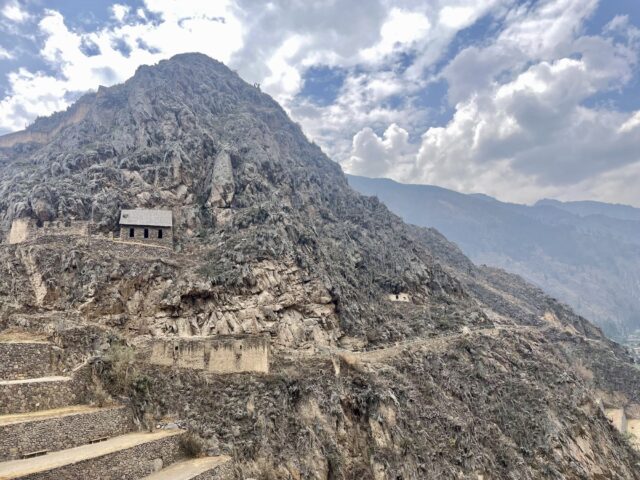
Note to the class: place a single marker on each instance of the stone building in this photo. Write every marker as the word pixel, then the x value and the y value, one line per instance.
pixel 219 355
pixel 147 226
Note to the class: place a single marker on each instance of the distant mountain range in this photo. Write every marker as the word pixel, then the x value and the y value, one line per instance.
pixel 587 254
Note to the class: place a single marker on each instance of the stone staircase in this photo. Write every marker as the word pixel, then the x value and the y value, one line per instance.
pixel 49 431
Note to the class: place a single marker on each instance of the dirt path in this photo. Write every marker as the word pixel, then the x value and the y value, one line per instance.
pixel 35 380
pixel 431 343
pixel 46 414
pixel 188 469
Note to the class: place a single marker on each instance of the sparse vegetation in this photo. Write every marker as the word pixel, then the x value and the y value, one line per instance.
pixel 192 445
pixel 121 361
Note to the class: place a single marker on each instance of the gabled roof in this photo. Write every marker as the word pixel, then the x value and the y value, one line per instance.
pixel 149 218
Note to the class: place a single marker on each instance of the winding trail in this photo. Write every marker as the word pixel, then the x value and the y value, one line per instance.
pixel 432 343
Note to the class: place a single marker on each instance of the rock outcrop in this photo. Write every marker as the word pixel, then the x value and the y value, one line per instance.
pixel 222 184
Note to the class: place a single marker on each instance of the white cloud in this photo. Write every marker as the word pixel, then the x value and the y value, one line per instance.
pixel 5 54
pixel 14 12
pixel 630 124
pixel 456 17
pixel 521 129
pixel 522 124
pixel 400 30
pixel 211 29
pixel 285 80
pixel 32 95
pixel 120 11
pixel 374 155
pixel 367 45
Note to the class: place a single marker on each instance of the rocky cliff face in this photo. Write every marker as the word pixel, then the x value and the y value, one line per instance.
pixel 476 373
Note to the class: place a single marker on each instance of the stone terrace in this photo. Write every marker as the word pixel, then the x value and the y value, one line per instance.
pixel 49 431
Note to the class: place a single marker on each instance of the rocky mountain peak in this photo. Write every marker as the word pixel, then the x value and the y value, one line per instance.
pixel 189 135
pixel 393 356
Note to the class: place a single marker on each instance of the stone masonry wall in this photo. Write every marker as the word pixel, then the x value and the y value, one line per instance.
pixel 136 462
pixel 28 360
pixel 219 473
pixel 34 396
pixel 59 433
pixel 21 231
pixel 223 354
pixel 166 240
pixel 25 229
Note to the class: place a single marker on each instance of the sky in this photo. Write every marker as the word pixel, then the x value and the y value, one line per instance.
pixel 517 99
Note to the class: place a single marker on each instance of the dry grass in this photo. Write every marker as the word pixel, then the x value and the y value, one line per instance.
pixel 192 445
pixel 583 372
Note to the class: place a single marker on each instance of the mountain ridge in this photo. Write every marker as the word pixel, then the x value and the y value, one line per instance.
pixel 471 372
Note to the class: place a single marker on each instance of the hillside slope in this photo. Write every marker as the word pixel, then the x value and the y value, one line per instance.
pixel 476 374
pixel 587 254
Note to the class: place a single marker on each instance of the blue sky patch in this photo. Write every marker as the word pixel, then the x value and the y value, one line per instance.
pixel 432 99
pixel 322 84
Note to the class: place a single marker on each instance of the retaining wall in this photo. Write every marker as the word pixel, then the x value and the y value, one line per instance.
pixel 28 360
pixel 221 354
pixel 36 396
pixel 135 462
pixel 60 433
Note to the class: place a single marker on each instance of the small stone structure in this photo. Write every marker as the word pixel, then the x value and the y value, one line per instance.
pixel 618 418
pixel 633 427
pixel 147 226
pixel 220 354
pixel 399 297
pixel 25 229
pixel 626 425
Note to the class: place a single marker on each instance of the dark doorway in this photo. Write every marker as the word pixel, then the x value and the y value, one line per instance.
pixel 159 233
pixel 146 233
pixel 132 232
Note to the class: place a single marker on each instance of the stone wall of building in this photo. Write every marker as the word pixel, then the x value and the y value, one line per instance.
pixel 28 360
pixel 25 229
pixel 221 354
pixel 166 240
pixel 135 462
pixel 20 230
pixel 399 297
pixel 76 228
pixel 59 433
